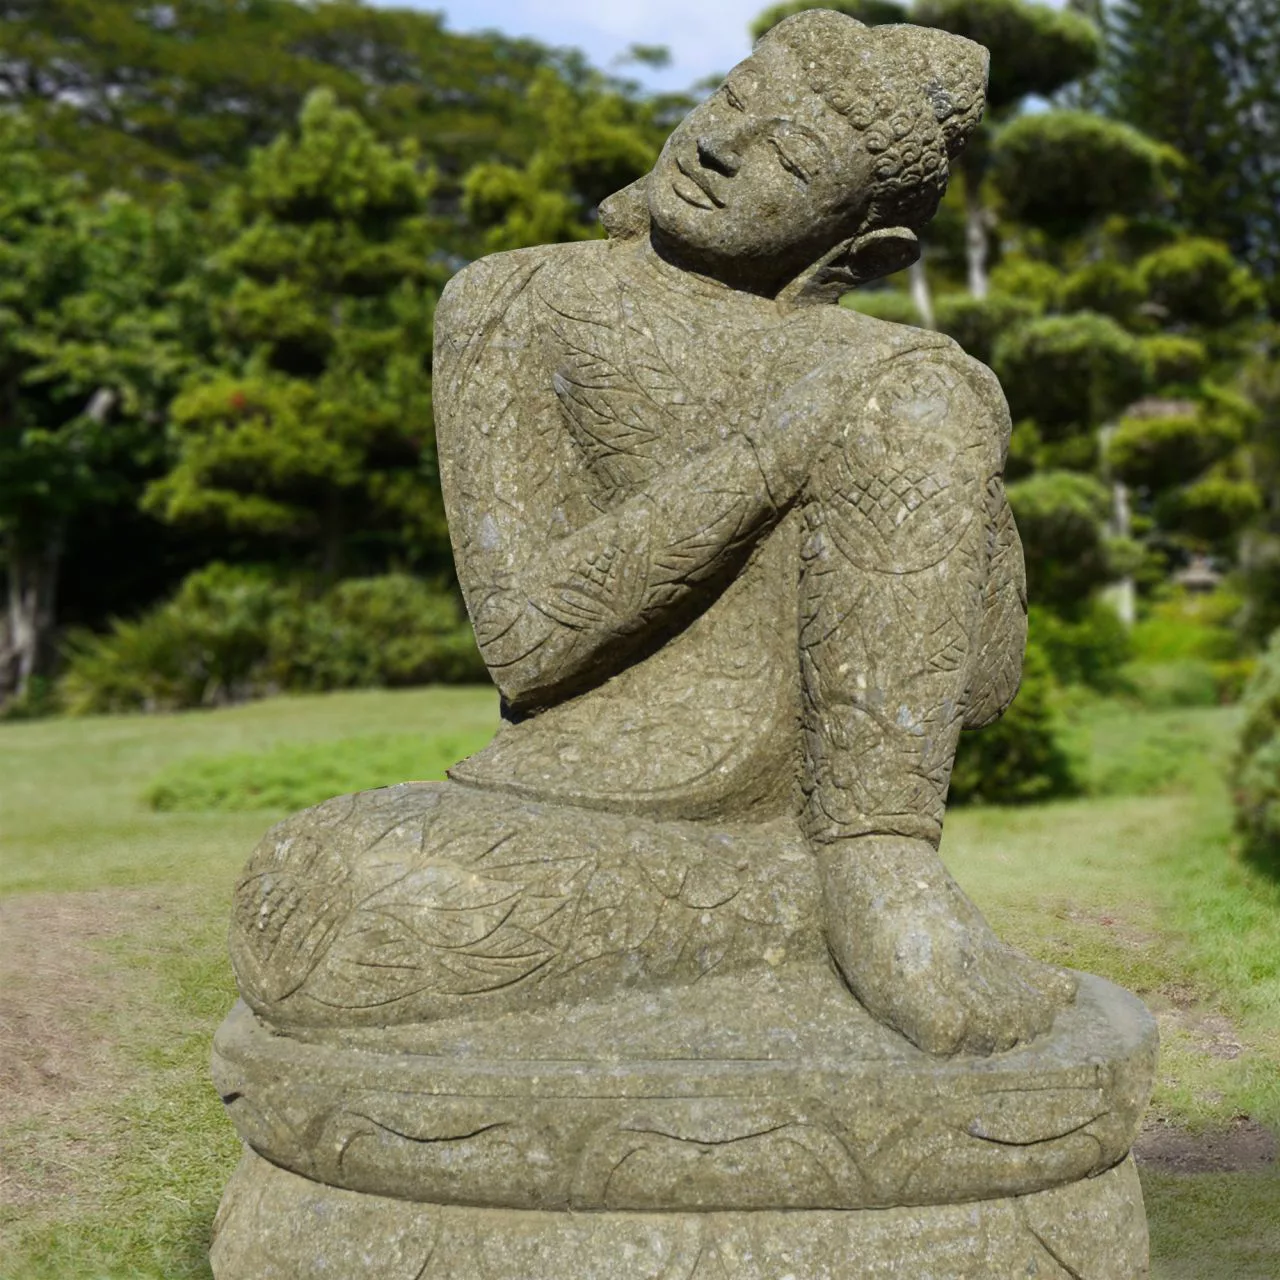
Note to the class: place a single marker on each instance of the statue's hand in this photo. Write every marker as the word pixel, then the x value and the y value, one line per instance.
pixel 800 424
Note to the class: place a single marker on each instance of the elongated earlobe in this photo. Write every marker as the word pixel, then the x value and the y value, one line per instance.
pixel 851 263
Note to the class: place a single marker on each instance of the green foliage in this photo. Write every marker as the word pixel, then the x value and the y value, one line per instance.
pixel 1109 288
pixel 1187 682
pixel 1035 281
pixel 135 94
pixel 1070 372
pixel 313 418
pixel 206 646
pixel 92 329
pixel 977 323
pixel 1062 518
pixel 1204 77
pixel 1257 764
pixel 1197 282
pixel 871 13
pixel 298 775
pixel 232 633
pixel 1214 510
pixel 1021 759
pixel 892 305
pixel 592 143
pixel 1184 625
pixel 1088 646
pixel 389 631
pixel 1174 360
pixel 1160 452
pixel 1063 171
pixel 1034 49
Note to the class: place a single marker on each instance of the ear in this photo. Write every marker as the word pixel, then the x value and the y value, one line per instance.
pixel 625 214
pixel 852 263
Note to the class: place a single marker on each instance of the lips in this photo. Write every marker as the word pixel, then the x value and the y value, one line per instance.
pixel 693 188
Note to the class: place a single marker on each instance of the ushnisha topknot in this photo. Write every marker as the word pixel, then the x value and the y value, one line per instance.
pixel 914 93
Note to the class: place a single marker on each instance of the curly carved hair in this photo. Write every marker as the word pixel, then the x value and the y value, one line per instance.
pixel 914 93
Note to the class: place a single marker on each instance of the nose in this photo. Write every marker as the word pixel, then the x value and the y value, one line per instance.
pixel 717 154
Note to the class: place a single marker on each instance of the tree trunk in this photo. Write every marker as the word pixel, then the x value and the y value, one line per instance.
pixel 33 585
pixel 921 294
pixel 1126 592
pixel 976 228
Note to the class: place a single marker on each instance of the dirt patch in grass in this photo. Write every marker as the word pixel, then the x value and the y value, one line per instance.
pixel 1243 1146
pixel 62 1002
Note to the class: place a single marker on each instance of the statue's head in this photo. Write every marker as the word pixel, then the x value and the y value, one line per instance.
pixel 827 149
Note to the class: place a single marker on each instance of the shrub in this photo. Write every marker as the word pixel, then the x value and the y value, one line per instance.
pixel 233 633
pixel 204 647
pixel 393 631
pixel 1257 762
pixel 1021 758
pixel 1089 647
pixel 976 323
pixel 1156 452
pixel 1174 360
pixel 1062 518
pixel 884 304
pixel 1030 279
pixel 1068 372
pixel 1198 282
pixel 1108 288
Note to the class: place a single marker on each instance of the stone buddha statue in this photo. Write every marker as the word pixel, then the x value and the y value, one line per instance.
pixel 741 565
pixel 669 982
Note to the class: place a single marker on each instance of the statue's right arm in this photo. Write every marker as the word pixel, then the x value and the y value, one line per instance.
pixel 558 609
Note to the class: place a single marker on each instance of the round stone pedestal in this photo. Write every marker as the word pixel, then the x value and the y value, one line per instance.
pixel 274 1225
pixel 764 1128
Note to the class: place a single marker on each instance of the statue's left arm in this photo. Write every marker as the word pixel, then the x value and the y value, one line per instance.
pixel 913 598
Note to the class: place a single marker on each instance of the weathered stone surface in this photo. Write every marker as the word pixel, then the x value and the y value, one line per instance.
pixel 750 1091
pixel 275 1225
pixel 677 949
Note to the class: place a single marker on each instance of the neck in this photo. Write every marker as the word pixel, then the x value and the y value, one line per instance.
pixel 736 274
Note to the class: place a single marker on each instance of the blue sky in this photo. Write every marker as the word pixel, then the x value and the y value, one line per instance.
pixel 704 36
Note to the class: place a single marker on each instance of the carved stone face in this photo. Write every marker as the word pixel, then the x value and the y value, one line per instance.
pixel 760 175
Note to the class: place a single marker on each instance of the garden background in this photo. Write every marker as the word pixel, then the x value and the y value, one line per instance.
pixel 224 225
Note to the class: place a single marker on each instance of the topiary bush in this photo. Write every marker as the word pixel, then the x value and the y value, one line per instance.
pixel 976 323
pixel 1069 372
pixel 1022 758
pixel 1198 282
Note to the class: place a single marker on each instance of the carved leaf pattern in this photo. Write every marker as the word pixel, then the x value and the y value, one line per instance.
pixel 439 894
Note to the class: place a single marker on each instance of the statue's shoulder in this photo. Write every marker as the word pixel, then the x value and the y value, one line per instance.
pixel 492 284
pixel 913 360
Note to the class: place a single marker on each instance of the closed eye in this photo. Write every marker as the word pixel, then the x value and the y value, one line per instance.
pixel 788 162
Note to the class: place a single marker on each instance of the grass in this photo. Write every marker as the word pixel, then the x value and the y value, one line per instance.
pixel 121 1176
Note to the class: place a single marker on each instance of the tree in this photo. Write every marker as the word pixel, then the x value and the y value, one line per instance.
pixel 593 142
pixel 134 94
pixel 91 345
pixel 310 421
pixel 1034 50
pixel 1204 77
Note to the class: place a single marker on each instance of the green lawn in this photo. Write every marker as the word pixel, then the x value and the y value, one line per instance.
pixel 113 1149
